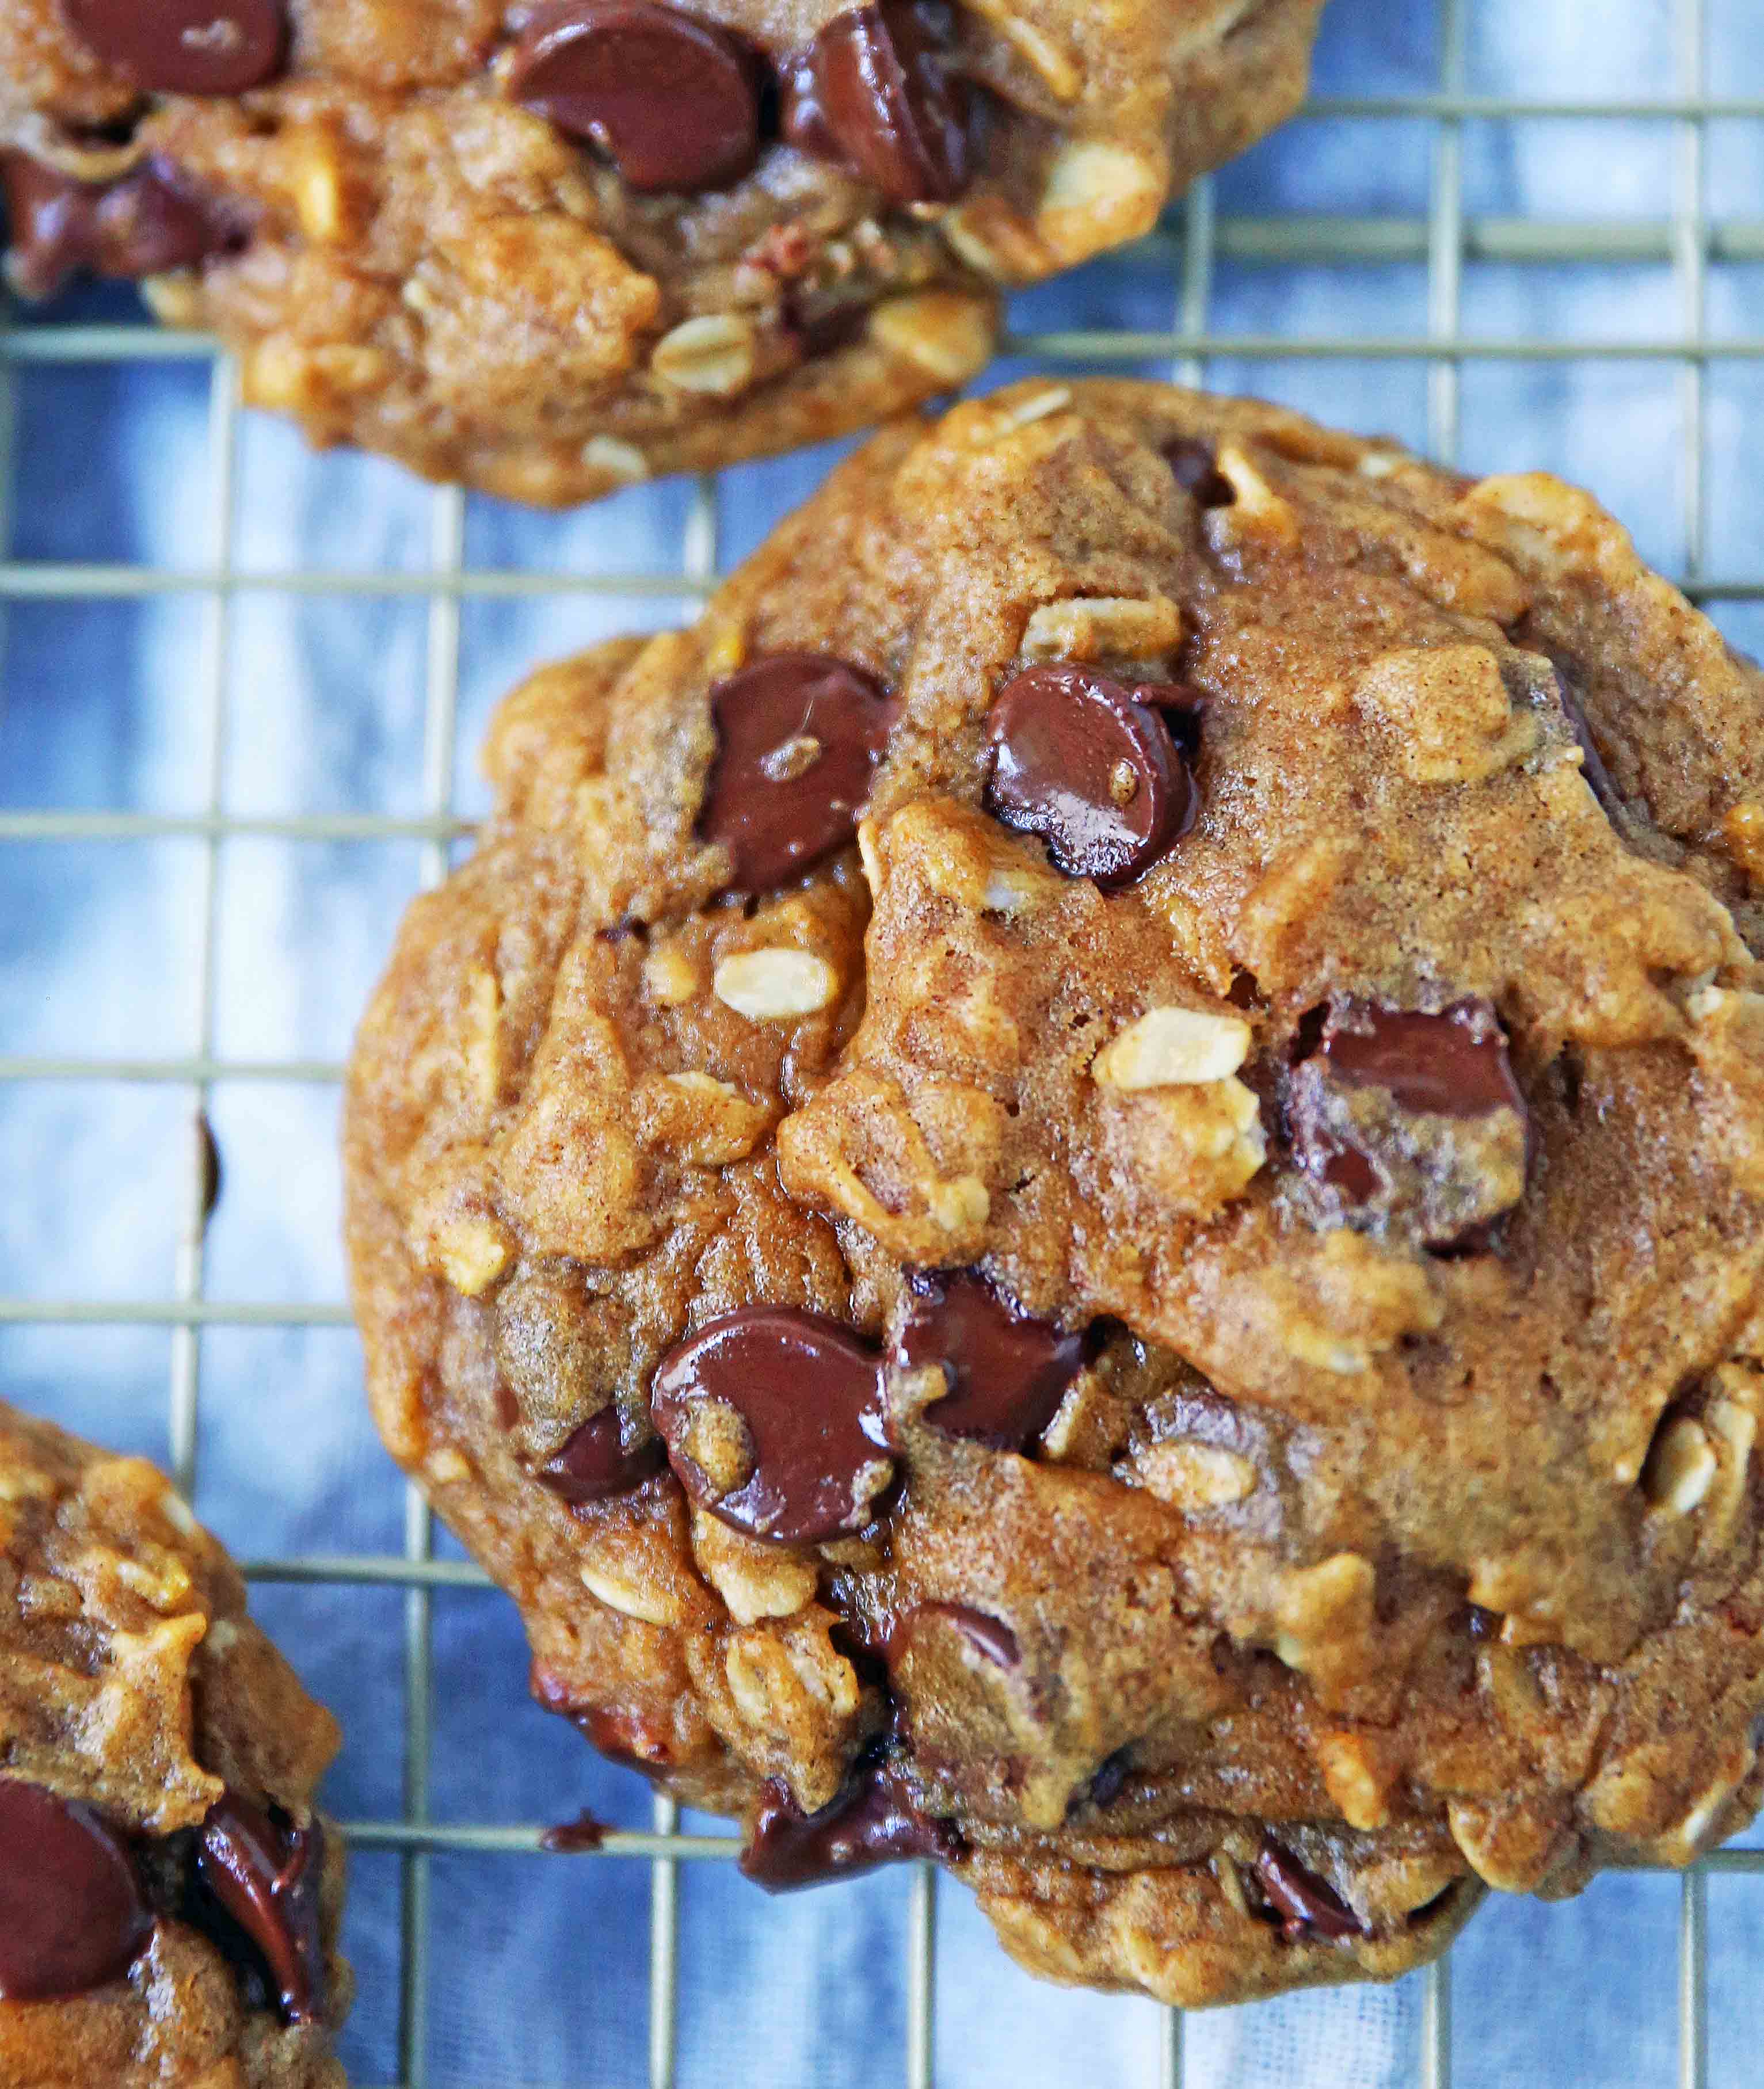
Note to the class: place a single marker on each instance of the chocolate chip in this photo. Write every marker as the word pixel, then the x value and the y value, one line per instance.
pixel 674 102
pixel 210 1174
pixel 597 1461
pixel 798 738
pixel 1454 1064
pixel 574 1839
pixel 185 46
pixel 1364 1099
pixel 153 219
pixel 262 1874
pixel 988 1636
pixel 1110 1778
pixel 872 1821
pixel 72 1911
pixel 773 1420
pixel 1304 1902
pixel 1598 777
pixel 1195 465
pixel 1089 764
pixel 873 90
pixel 1007 1372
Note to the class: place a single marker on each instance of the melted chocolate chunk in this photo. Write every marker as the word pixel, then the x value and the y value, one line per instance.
pixel 1007 1372
pixel 871 90
pixel 1110 1778
pixel 1368 1081
pixel 1088 766
pixel 1598 777
pixel 72 1911
pixel 799 736
pixel 153 219
pixel 772 1421
pixel 262 1874
pixel 185 46
pixel 1194 463
pixel 673 101
pixel 1305 1904
pixel 1454 1064
pixel 596 1461
pixel 988 1636
pixel 872 1821
pixel 574 1839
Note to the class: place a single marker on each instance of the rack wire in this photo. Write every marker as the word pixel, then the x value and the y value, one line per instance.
pixel 1446 239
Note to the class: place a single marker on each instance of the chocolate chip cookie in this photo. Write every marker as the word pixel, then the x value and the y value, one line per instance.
pixel 170 1901
pixel 555 247
pixel 1082 1188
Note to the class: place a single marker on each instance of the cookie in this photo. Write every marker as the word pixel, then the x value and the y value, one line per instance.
pixel 1121 1241
pixel 170 1900
pixel 555 248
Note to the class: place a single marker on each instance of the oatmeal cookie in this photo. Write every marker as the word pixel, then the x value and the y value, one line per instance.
pixel 170 1901
pixel 1082 1188
pixel 551 248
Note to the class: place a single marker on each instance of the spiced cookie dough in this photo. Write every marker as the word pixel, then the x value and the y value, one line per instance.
pixel 1082 1188
pixel 555 247
pixel 170 1901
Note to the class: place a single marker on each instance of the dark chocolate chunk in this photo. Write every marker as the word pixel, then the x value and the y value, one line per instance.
pixel 185 46
pixel 597 1461
pixel 72 1911
pixel 772 1421
pixel 574 1839
pixel 1305 1904
pixel 1006 1371
pixel 1088 766
pixel 1110 1777
pixel 1195 465
pixel 1600 780
pixel 799 736
pixel 873 90
pixel 262 1874
pixel 673 101
pixel 1368 1085
pixel 987 1635
pixel 872 1821
pixel 1454 1064
pixel 153 219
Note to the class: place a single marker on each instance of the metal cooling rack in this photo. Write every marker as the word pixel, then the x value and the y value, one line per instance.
pixel 1445 240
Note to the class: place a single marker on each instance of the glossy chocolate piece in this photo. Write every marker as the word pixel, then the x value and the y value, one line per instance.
pixel 1600 780
pixel 808 1392
pixel 873 90
pixel 1194 464
pixel 1006 1371
pixel 1088 765
pixel 1454 1064
pixel 152 219
pixel 73 1914
pixel 1306 1905
pixel 185 46
pixel 873 1821
pixel 799 736
pixel 990 1637
pixel 672 100
pixel 596 1462
pixel 264 1875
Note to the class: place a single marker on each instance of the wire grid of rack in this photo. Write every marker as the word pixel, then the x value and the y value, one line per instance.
pixel 1444 241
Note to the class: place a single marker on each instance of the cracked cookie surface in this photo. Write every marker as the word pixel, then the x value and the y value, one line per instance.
pixel 553 249
pixel 170 1900
pixel 1124 1246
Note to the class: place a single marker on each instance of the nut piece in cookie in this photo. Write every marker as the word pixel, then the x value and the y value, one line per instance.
pixel 1064 1193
